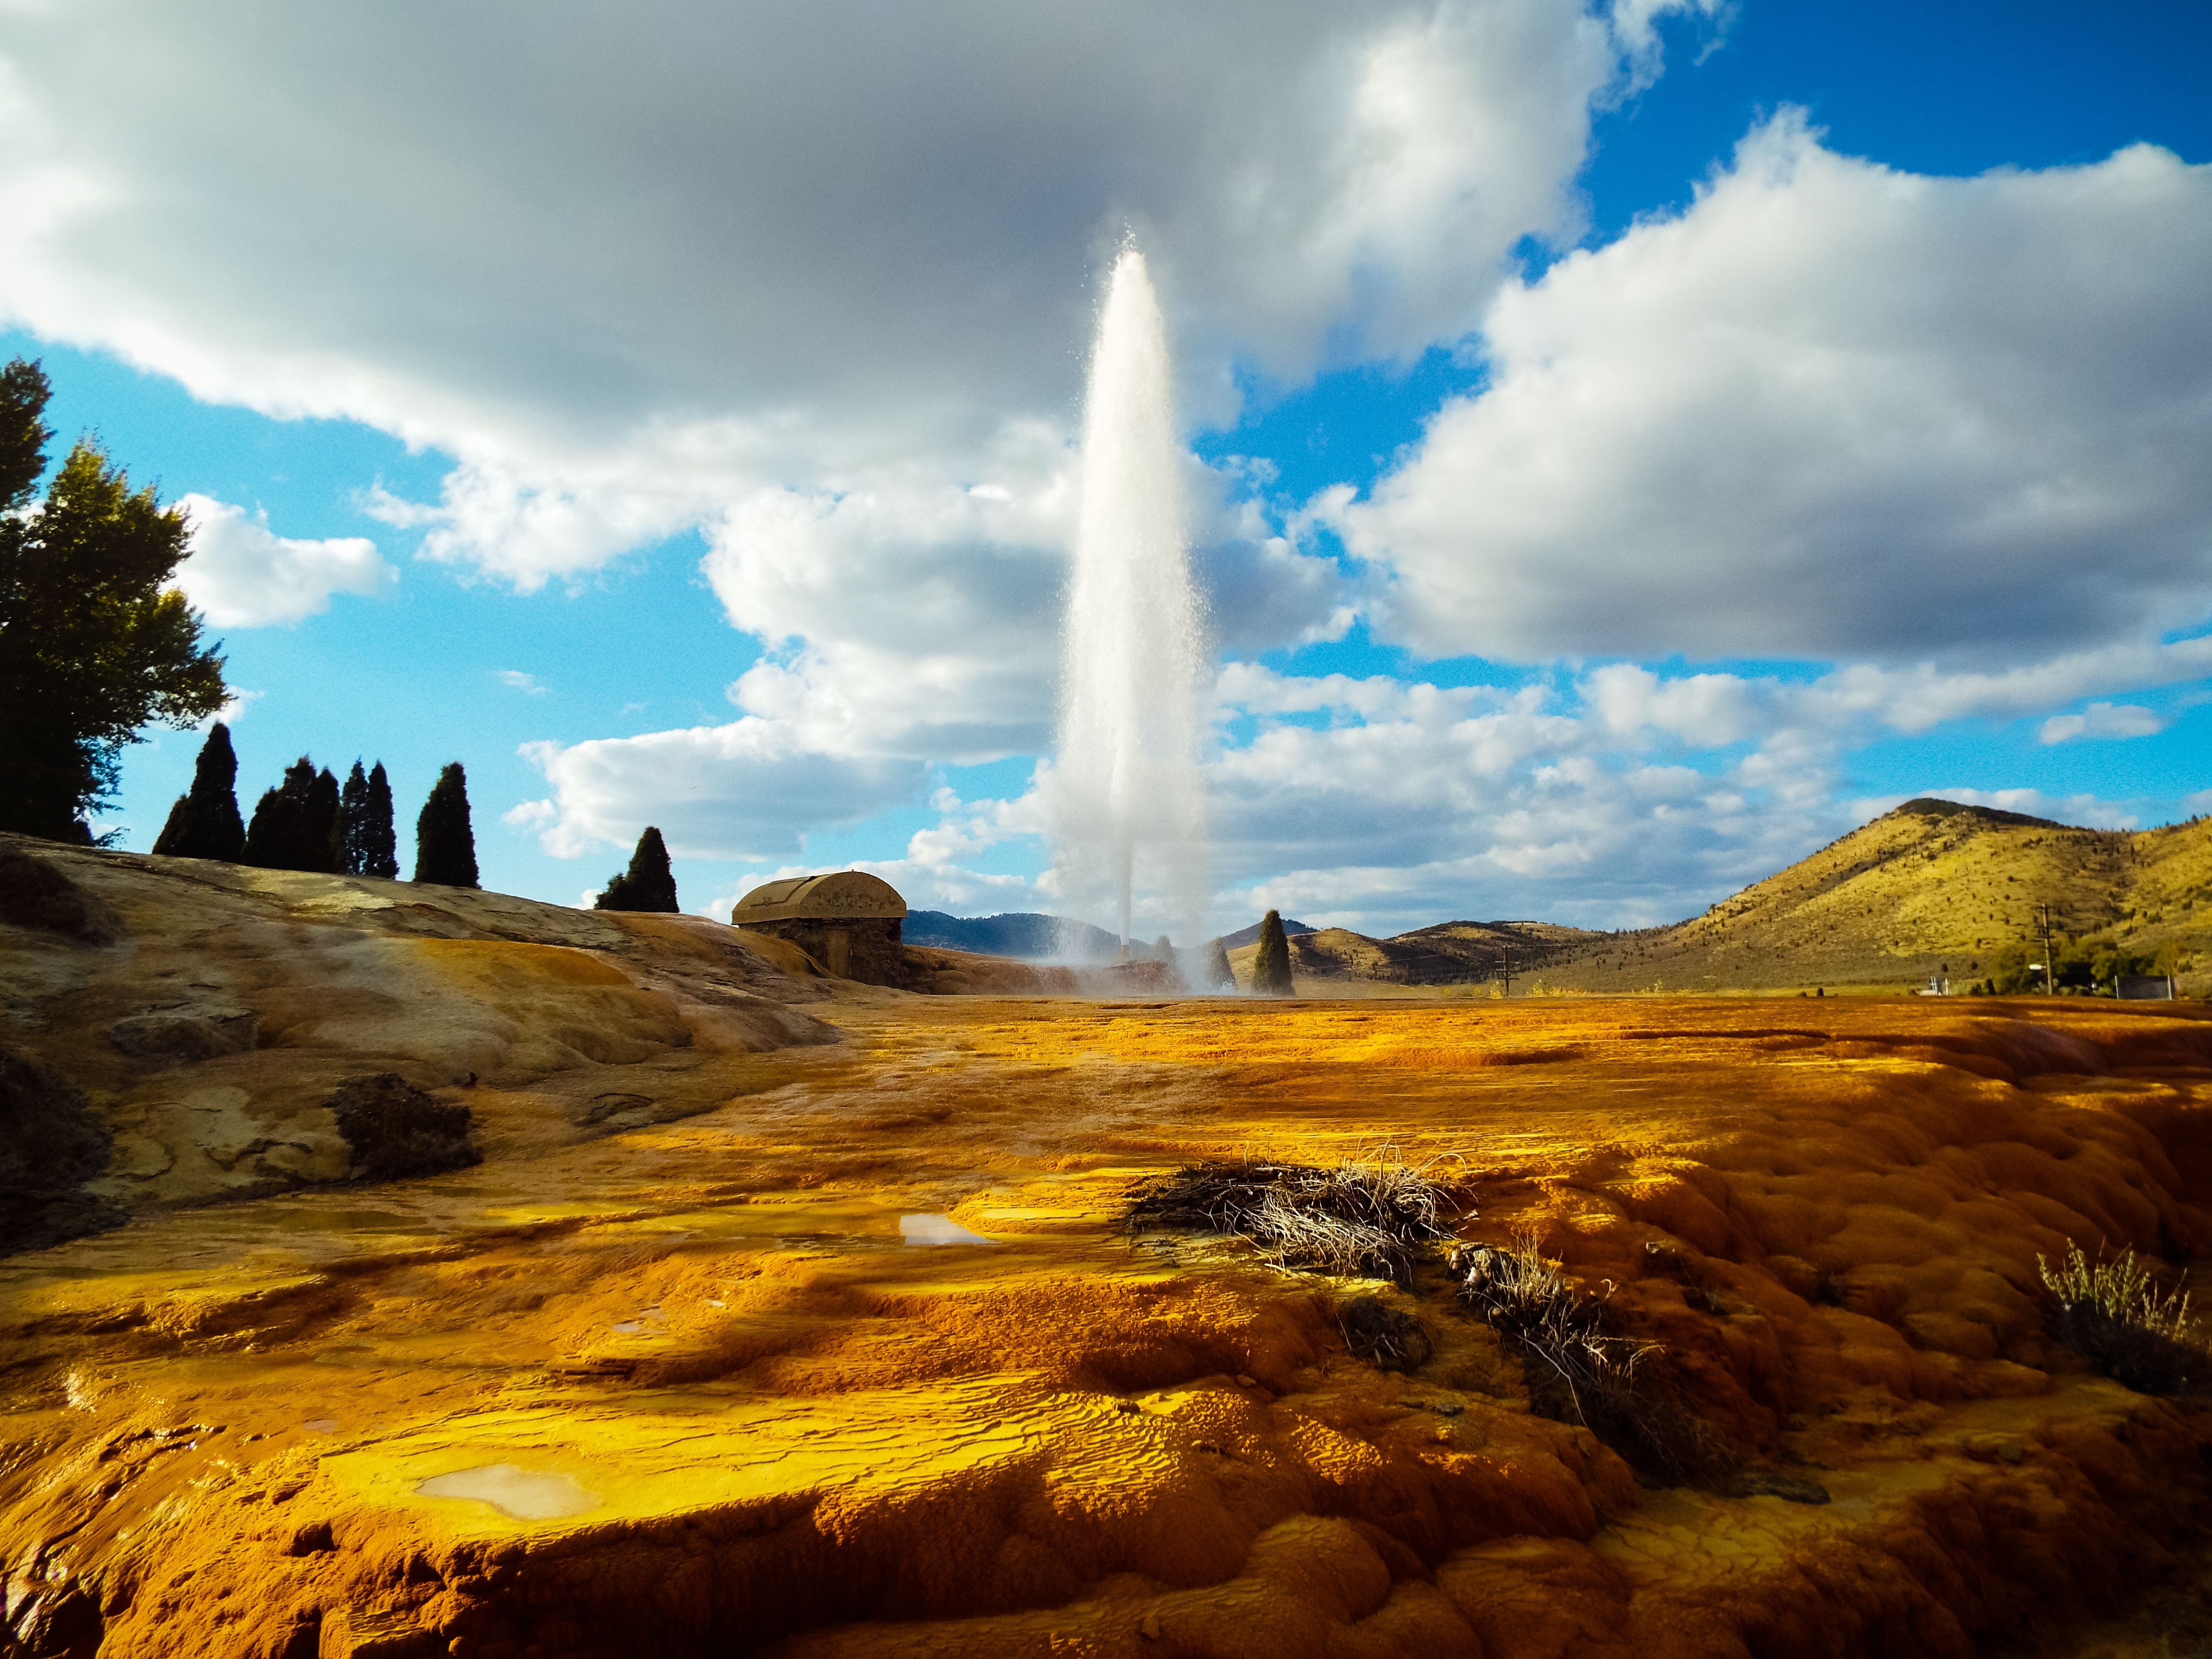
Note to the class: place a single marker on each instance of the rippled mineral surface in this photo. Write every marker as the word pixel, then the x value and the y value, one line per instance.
pixel 861 1362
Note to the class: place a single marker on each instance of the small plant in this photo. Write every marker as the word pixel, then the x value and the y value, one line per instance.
pixel 2114 1314
pixel 1579 1372
pixel 1365 1218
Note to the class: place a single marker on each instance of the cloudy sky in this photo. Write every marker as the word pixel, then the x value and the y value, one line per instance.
pixel 1630 442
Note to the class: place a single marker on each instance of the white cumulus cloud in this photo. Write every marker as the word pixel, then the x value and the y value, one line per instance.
pixel 1830 410
pixel 2104 719
pixel 244 575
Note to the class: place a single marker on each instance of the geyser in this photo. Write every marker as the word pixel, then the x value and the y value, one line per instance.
pixel 1129 803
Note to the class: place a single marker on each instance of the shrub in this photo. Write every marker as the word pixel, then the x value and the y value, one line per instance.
pixel 1365 1218
pixel 2114 1314
pixel 1578 1371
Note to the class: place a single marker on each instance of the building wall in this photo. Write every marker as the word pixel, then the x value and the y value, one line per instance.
pixel 860 948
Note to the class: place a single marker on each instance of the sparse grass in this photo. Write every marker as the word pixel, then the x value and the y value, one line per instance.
pixel 1366 1217
pixel 1578 1371
pixel 2115 1315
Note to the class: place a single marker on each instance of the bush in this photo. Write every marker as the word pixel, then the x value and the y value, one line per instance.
pixel 1580 1371
pixel 1363 1218
pixel 2114 1316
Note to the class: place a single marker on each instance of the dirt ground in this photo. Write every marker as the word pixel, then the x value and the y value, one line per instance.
pixel 688 1388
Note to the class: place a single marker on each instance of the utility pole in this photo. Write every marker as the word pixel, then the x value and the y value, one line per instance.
pixel 2050 981
pixel 1505 970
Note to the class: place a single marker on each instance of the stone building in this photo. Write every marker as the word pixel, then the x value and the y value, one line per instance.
pixel 847 922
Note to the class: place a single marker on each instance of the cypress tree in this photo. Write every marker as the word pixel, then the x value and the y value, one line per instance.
pixel 378 847
pixel 445 846
pixel 647 884
pixel 319 847
pixel 204 823
pixel 1271 969
pixel 1218 973
pixel 353 806
pixel 365 840
pixel 282 834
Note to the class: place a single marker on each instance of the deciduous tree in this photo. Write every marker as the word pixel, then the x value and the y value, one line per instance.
pixel 95 643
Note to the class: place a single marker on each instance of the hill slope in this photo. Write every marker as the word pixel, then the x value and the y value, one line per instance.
pixel 1930 888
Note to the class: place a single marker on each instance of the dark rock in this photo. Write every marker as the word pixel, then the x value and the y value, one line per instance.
pixel 1765 1483
pixel 628 1110
pixel 397 1131
pixel 50 1144
pixel 33 894
pixel 185 1034
pixel 1390 1341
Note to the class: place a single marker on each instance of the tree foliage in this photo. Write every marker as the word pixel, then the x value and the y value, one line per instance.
pixel 445 845
pixel 204 823
pixel 1219 976
pixel 296 825
pixel 94 643
pixel 1271 969
pixel 366 844
pixel 647 884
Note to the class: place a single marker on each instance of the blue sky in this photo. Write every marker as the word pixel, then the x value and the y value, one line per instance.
pixel 1630 444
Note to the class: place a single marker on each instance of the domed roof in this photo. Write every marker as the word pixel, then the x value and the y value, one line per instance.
pixel 843 895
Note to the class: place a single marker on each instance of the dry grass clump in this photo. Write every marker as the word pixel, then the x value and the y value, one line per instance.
pixel 2114 1314
pixel 1363 1218
pixel 1578 1371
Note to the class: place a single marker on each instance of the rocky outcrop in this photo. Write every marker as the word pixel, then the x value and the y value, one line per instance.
pixel 52 1146
pixel 247 1032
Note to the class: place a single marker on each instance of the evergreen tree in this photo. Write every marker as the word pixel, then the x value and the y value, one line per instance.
pixel 1271 969
pixel 204 823
pixel 319 844
pixel 445 846
pixel 647 884
pixel 353 814
pixel 95 641
pixel 1219 975
pixel 375 846
pixel 365 839
pixel 295 824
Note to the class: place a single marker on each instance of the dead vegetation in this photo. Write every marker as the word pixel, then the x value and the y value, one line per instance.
pixel 1367 1217
pixel 1578 1371
pixel 2116 1315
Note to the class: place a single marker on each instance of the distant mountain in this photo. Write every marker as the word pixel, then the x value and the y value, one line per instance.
pixel 1016 933
pixel 1251 935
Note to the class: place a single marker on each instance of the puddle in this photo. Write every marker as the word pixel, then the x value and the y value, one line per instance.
pixel 512 1491
pixel 936 1230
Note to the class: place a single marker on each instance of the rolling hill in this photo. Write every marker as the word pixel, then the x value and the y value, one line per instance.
pixel 1931 889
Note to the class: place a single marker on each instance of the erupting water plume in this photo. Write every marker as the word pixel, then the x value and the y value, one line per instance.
pixel 1129 804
